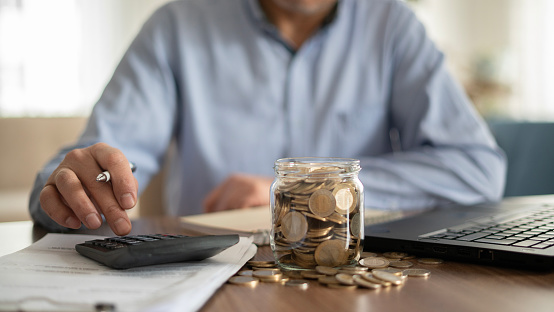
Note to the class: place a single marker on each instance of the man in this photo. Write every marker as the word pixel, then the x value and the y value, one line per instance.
pixel 237 84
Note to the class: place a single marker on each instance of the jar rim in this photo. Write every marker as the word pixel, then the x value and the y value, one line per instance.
pixel 349 165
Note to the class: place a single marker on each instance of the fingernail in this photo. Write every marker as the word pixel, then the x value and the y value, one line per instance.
pixel 121 226
pixel 73 223
pixel 127 201
pixel 92 221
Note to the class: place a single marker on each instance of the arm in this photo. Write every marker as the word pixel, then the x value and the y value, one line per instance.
pixel 135 118
pixel 447 153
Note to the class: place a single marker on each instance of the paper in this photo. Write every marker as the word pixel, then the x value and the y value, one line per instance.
pixel 51 276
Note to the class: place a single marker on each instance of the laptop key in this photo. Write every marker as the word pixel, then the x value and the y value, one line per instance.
pixel 494 241
pixel 473 236
pixel 526 243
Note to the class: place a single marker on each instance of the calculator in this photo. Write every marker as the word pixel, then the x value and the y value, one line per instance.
pixel 124 252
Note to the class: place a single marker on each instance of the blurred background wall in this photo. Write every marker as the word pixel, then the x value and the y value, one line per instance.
pixel 56 56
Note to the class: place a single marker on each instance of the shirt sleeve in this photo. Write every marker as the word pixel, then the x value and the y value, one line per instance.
pixel 444 150
pixel 136 112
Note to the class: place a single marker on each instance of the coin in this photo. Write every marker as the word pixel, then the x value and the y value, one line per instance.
pixel 342 286
pixel 355 227
pixel 326 270
pixel 331 253
pixel 429 261
pixel 322 203
pixel 401 264
pixel 298 283
pixel 268 275
pixel 245 273
pixel 417 272
pixel 388 277
pixel 367 254
pixel 328 279
pixel 395 255
pixel 375 262
pixel 344 198
pixel 244 281
pixel 294 226
pixel 394 271
pixel 370 278
pixel 261 264
pixel 360 281
pixel 345 279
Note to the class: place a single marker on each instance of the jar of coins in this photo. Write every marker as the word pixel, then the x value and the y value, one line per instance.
pixel 317 212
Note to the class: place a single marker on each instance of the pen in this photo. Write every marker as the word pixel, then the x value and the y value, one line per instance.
pixel 105 176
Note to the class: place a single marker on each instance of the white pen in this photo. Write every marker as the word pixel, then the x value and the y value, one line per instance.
pixel 105 176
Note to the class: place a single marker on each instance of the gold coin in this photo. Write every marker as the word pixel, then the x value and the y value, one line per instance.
pixel 394 271
pixel 367 254
pixel 430 261
pixel 401 264
pixel 395 255
pixel 388 277
pixel 326 270
pixel 345 198
pixel 342 286
pixel 294 226
pixel 331 253
pixel 244 281
pixel 268 275
pixel 375 262
pixel 417 272
pixel 345 279
pixel 370 278
pixel 298 283
pixel 360 281
pixel 322 203
pixel 245 273
pixel 355 225
pixel 261 264
pixel 328 279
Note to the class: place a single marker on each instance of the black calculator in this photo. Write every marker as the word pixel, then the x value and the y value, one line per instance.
pixel 124 252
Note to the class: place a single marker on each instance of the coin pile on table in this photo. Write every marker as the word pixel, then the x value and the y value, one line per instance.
pixel 317 220
pixel 373 271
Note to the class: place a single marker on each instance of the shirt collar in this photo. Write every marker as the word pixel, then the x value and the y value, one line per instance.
pixel 259 16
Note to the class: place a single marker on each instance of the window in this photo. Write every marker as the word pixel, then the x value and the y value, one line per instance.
pixel 56 56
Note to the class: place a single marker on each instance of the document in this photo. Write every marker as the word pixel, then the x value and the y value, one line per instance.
pixel 51 276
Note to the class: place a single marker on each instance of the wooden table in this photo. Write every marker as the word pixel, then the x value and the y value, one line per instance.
pixel 451 287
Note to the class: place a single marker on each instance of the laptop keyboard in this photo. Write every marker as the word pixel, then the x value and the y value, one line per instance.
pixel 534 229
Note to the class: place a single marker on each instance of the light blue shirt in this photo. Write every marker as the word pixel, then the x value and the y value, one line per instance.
pixel 216 78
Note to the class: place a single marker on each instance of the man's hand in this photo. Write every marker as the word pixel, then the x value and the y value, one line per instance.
pixel 72 195
pixel 239 191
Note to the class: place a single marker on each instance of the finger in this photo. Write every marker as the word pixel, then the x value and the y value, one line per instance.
pixel 71 190
pixel 124 184
pixel 54 206
pixel 101 194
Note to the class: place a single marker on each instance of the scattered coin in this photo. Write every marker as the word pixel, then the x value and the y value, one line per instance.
pixel 430 261
pixel 370 278
pixel 360 281
pixel 326 270
pixel 375 262
pixel 328 279
pixel 417 272
pixel 297 283
pixel 367 254
pixel 244 281
pixel 388 277
pixel 395 255
pixel 245 273
pixel 401 264
pixel 342 286
pixel 345 279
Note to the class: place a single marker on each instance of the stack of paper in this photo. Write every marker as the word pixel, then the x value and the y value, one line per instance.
pixel 51 276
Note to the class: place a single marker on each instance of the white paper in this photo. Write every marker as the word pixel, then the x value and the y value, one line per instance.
pixel 51 276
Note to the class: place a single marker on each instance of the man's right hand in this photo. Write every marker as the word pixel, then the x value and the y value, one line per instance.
pixel 72 196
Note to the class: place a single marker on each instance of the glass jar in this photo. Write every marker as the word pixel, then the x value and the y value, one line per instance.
pixel 317 212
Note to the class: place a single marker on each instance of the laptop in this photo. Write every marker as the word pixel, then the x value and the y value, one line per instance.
pixel 507 234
